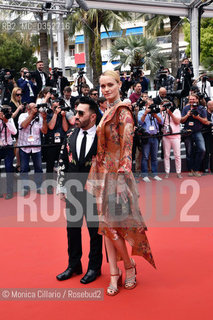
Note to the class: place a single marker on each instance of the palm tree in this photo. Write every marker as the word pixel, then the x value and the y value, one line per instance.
pixel 91 23
pixel 155 26
pixel 138 51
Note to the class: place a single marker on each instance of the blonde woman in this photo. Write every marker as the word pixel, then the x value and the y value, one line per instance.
pixel 17 108
pixel 112 182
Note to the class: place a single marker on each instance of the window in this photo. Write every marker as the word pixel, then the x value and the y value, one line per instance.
pixel 71 50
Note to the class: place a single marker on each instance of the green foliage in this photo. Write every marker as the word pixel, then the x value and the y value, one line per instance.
pixel 136 50
pixel 15 52
pixel 206 41
pixel 186 30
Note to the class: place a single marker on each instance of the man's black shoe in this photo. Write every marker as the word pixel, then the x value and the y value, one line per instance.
pixel 9 196
pixel 67 274
pixel 90 276
pixel 50 189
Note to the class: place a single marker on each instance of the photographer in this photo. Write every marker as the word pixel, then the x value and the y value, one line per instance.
pixel 59 81
pixel 17 108
pixel 31 124
pixel 150 118
pixel 184 76
pixel 162 94
pixel 7 129
pixel 29 90
pixel 205 87
pixel 208 138
pixel 194 117
pixel 136 94
pixel 44 96
pixel 7 85
pixel 69 100
pixel 57 128
pixel 164 79
pixel 171 125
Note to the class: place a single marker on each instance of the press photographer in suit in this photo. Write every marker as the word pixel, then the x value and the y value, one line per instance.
pixel 78 149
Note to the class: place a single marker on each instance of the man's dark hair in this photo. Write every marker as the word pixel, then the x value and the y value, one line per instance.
pixel 67 89
pixel 92 90
pixel 101 100
pixel 135 84
pixel 39 62
pixel 93 107
pixel 84 85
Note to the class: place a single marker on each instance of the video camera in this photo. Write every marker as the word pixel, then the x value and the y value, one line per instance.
pixel 136 72
pixel 57 72
pixel 6 110
pixel 186 68
pixel 154 108
pixel 4 77
pixel 81 72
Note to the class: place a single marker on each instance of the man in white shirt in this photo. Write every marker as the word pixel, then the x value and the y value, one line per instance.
pixel 7 128
pixel 205 88
pixel 77 152
pixel 31 124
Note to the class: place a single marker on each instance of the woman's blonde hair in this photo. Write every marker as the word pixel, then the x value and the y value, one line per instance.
pixel 13 96
pixel 113 74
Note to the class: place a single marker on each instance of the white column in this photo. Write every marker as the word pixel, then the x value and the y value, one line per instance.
pixel 60 45
pixel 194 41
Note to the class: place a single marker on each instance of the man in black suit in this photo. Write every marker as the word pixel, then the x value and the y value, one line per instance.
pixel 162 94
pixel 75 159
pixel 41 77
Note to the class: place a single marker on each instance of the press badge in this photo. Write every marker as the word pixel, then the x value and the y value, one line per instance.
pixel 30 139
pixel 191 123
pixel 57 137
pixel 151 128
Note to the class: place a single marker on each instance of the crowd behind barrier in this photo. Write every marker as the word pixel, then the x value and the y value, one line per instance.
pixel 39 109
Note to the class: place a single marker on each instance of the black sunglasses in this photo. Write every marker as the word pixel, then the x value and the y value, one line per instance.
pixel 80 112
pixel 94 94
pixel 18 94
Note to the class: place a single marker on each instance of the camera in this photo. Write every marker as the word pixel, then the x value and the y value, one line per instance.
pixel 57 72
pixel 136 72
pixel 43 107
pixel 194 112
pixel 7 112
pixel 81 72
pixel 154 108
pixel 53 91
pixel 140 103
pixel 169 106
pixel 29 75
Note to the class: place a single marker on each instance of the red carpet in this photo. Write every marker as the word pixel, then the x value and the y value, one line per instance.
pixel 180 288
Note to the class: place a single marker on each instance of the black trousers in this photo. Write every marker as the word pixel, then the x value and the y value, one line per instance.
pixel 75 213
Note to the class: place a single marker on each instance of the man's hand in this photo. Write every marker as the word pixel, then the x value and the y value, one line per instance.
pixel 57 110
pixel 62 196
pixel 63 113
pixel 44 115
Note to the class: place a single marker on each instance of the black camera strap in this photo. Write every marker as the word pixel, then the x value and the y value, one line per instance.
pixel 4 127
pixel 152 119
pixel 31 124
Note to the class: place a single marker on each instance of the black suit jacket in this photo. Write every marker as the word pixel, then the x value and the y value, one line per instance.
pixel 68 160
pixel 39 80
